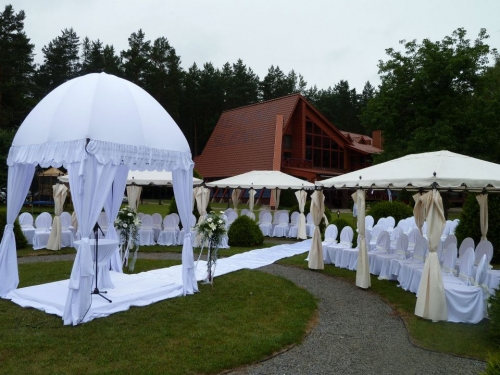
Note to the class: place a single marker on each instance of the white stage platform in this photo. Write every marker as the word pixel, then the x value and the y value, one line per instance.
pixel 146 287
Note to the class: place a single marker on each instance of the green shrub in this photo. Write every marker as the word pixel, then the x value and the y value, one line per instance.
pixel 288 198
pixel 245 232
pixel 469 222
pixel 21 240
pixel 397 210
pixel 172 208
pixel 494 315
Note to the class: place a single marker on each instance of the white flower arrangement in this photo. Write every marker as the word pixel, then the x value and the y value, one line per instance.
pixel 128 223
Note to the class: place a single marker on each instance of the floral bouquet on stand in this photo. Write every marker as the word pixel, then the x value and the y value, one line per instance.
pixel 127 223
pixel 211 231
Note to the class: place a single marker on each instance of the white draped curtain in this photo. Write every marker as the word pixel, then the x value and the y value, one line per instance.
pixel 251 199
pixel 431 300
pixel 134 196
pixel 235 197
pixel 18 182
pixel 183 191
pixel 482 199
pixel 202 196
pixel 419 212
pixel 275 197
pixel 60 192
pixel 90 181
pixel 301 230
pixel 112 206
pixel 363 279
pixel 317 210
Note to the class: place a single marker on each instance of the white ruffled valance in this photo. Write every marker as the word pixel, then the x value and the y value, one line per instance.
pixel 137 157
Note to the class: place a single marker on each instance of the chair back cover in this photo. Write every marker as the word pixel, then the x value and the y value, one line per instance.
pixel 283 218
pixel 294 217
pixel 369 221
pixel 26 219
pixel 176 218
pixel 382 222
pixel 147 221
pixel 232 216
pixel 244 211
pixel 346 235
pixel 396 232
pixel 65 220
pixel 420 248
pixel 466 243
pixel 375 232
pixel 467 266
pixel 391 222
pixel 157 220
pixel 309 218
pixel 261 214
pixel 401 246
pixel 193 221
pixel 413 236
pixel 43 221
pixel 169 222
pixel 383 241
pixel 446 229
pixel 251 215
pixel 267 218
pixel 331 232
pixel 481 271
pixel 484 247
pixel 449 240
pixel 449 258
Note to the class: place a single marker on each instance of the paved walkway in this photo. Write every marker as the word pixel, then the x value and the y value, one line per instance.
pixel 356 333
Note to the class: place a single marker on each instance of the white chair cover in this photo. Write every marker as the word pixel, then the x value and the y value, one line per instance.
pixel 484 247
pixel 157 224
pixel 266 225
pixel 400 252
pixel 146 234
pixel 382 248
pixel 281 230
pixel 331 233
pixel 168 236
pixel 26 222
pixel 369 221
pixel 43 222
pixel 309 225
pixel 345 242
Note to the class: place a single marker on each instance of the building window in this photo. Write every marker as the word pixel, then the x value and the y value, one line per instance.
pixel 287 142
pixel 323 151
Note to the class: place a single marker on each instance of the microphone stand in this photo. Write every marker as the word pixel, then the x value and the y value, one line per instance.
pixel 96 236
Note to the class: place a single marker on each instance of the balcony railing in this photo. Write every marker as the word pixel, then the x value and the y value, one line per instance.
pixel 296 163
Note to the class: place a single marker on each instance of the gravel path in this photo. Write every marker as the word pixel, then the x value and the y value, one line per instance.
pixel 356 333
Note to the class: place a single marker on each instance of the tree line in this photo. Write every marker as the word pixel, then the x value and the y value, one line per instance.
pixel 432 96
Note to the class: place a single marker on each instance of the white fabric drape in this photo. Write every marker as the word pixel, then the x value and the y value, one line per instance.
pixel 275 195
pixel 183 190
pixel 90 182
pixel 235 197
pixel 202 196
pixel 363 279
pixel 317 210
pixel 112 206
pixel 251 199
pixel 60 191
pixel 301 230
pixel 482 199
pixel 431 300
pixel 134 196
pixel 18 182
pixel 419 212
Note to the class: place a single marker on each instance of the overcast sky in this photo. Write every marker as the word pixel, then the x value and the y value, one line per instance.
pixel 324 40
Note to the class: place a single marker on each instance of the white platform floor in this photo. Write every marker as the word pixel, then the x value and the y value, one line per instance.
pixel 147 287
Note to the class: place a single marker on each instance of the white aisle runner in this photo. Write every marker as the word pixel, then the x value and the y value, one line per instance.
pixel 149 287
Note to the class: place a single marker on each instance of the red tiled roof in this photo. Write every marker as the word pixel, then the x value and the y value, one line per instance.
pixel 243 139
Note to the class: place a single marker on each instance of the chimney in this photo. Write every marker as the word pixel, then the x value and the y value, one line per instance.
pixel 377 140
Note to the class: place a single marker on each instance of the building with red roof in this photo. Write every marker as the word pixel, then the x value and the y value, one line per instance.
pixel 286 134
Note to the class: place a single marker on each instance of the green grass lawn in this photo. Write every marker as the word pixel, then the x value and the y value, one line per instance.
pixel 247 316
pixel 468 340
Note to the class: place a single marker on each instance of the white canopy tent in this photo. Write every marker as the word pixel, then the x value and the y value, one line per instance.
pixel 441 170
pixel 267 180
pixel 98 127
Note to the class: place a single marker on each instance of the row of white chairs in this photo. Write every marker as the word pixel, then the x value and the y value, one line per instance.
pixel 401 257
pixel 37 232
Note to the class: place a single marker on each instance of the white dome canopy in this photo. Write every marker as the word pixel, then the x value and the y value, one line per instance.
pixel 119 120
